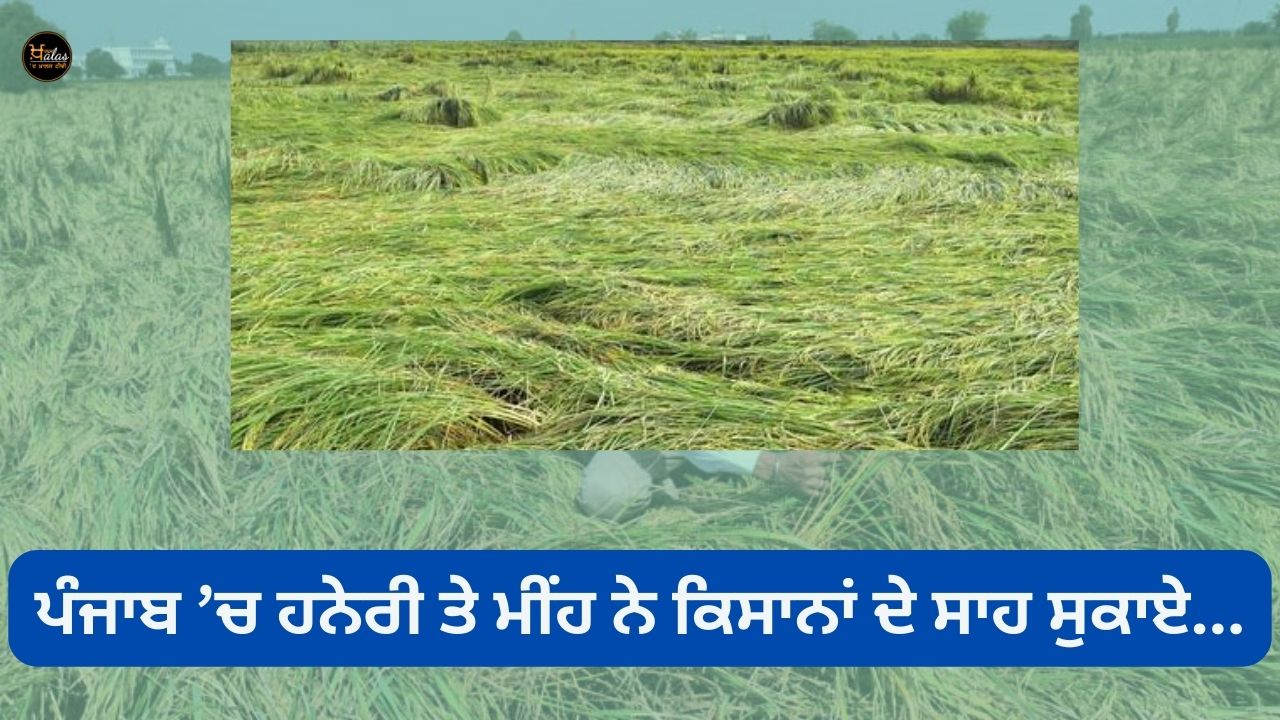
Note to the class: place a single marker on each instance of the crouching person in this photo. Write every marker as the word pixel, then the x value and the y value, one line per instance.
pixel 617 485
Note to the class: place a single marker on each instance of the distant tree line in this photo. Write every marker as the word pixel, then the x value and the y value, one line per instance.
pixel 685 35
pixel 1263 27
pixel 99 64
pixel 1082 25
pixel 971 25
pixel 202 65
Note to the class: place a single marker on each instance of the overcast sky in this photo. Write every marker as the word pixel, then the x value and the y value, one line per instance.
pixel 208 26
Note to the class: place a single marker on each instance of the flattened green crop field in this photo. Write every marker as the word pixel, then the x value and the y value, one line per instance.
pixel 616 246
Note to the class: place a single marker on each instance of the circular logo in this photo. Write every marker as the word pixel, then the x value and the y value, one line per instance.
pixel 46 56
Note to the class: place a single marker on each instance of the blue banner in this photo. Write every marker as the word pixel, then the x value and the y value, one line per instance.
pixel 640 608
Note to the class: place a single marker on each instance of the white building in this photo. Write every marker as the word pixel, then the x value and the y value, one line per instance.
pixel 719 35
pixel 136 60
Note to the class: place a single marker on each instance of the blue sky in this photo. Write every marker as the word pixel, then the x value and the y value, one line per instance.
pixel 208 27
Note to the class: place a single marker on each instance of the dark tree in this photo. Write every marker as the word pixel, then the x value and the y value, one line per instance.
pixel 1171 22
pixel 155 69
pixel 688 34
pixel 18 21
pixel 514 36
pixel 1275 18
pixel 968 26
pixel 1256 27
pixel 100 64
pixel 1082 23
pixel 825 31
pixel 202 65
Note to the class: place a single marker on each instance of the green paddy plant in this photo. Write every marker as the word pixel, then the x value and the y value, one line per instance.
pixel 279 70
pixel 722 84
pixel 451 112
pixel 316 73
pixel 969 90
pixel 393 93
pixel 802 114
pixel 848 74
pixel 440 88
pixel 323 73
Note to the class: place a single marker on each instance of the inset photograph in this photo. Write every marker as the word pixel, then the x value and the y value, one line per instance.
pixel 664 246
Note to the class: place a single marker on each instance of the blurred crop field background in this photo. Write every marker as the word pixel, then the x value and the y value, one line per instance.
pixel 114 366
pixel 621 246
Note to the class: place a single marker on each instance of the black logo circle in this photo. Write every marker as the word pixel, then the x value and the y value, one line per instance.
pixel 46 56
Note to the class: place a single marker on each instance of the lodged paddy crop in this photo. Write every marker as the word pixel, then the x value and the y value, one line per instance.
pixel 577 245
